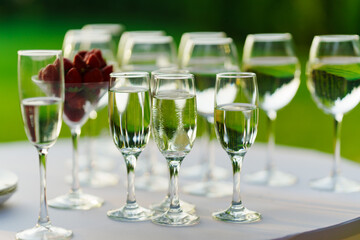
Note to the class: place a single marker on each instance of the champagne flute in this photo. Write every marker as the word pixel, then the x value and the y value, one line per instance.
pixel 148 53
pixel 272 58
pixel 164 205
pixel 41 91
pixel 85 85
pixel 333 79
pixel 129 117
pixel 236 121
pixel 174 128
pixel 77 40
pixel 204 57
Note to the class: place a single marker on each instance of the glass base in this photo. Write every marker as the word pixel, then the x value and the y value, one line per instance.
pixel 237 214
pixel 48 232
pixel 176 218
pixel 152 183
pixel 273 178
pixel 164 206
pixel 197 171
pixel 130 213
pixel 335 184
pixel 96 179
pixel 76 201
pixel 210 189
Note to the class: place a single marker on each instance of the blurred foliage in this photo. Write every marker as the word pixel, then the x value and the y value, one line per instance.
pixel 41 24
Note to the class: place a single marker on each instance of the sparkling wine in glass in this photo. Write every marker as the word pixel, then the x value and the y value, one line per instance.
pixel 272 58
pixel 149 52
pixel 164 205
pixel 333 79
pixel 85 84
pixel 236 121
pixel 129 118
pixel 174 127
pixel 205 57
pixel 41 91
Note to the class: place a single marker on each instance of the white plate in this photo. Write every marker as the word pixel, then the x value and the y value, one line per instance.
pixel 8 184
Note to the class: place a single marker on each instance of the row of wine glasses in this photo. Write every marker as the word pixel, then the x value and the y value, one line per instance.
pixel 333 75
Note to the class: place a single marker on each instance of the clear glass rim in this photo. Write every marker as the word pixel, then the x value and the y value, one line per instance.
pixel 116 26
pixel 175 76
pixel 236 75
pixel 129 74
pixel 153 39
pixel 40 52
pixel 211 41
pixel 205 33
pixel 337 37
pixel 265 37
pixel 145 32
pixel 164 71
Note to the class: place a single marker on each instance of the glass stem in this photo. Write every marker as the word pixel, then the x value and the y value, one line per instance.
pixel 337 158
pixel 174 167
pixel 75 134
pixel 210 164
pixel 271 117
pixel 236 164
pixel 43 219
pixel 130 161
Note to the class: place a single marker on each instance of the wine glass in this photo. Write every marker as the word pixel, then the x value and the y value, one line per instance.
pixel 236 120
pixel 204 57
pixel 126 36
pixel 114 29
pixel 174 128
pixel 85 40
pixel 85 84
pixel 148 53
pixel 129 118
pixel 191 35
pixel 272 58
pixel 333 79
pixel 42 116
pixel 164 205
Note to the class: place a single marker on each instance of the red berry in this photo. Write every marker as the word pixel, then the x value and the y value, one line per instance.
pixel 100 57
pixel 50 73
pixel 73 78
pixel 40 75
pixel 92 60
pixel 79 63
pixel 106 72
pixel 92 76
pixel 73 114
pixel 82 53
pixel 67 65
pixel 77 101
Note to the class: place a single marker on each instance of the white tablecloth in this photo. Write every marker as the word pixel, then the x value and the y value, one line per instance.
pixel 285 211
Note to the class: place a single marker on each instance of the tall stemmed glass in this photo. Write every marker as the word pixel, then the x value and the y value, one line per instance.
pixel 174 128
pixel 272 58
pixel 236 121
pixel 129 117
pixel 204 57
pixel 164 205
pixel 149 53
pixel 333 79
pixel 41 91
pixel 77 40
pixel 84 87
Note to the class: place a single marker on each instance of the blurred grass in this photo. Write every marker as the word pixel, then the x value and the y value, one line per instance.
pixel 300 123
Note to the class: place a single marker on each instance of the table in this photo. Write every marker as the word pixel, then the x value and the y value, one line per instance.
pixel 286 211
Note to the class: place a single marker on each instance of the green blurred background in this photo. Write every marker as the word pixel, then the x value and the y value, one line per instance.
pixel 41 24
